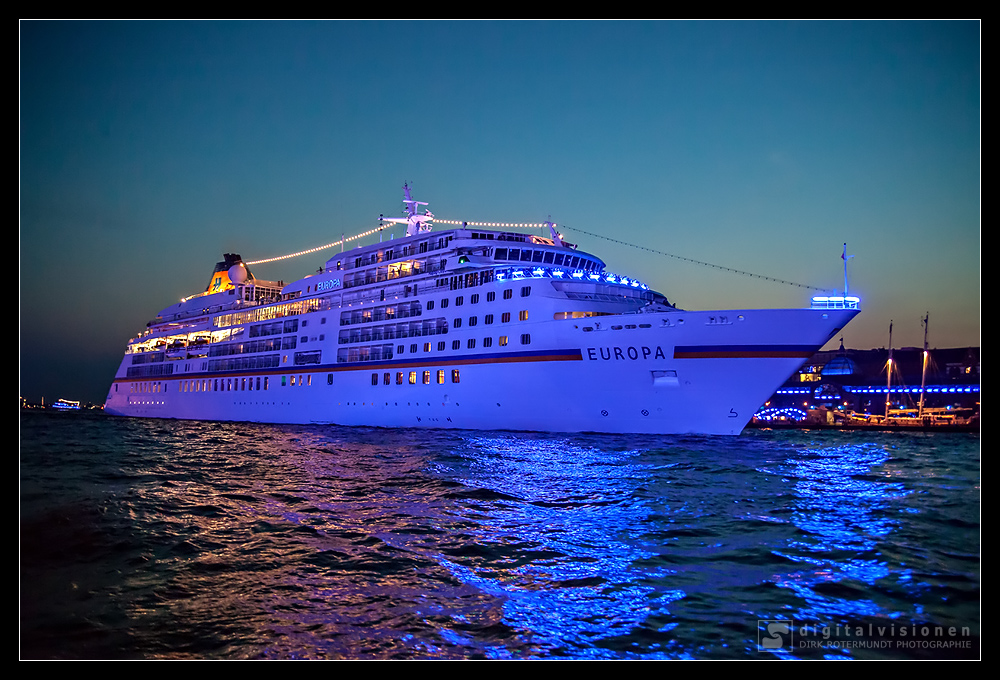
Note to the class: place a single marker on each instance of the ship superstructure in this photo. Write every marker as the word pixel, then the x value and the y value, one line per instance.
pixel 464 328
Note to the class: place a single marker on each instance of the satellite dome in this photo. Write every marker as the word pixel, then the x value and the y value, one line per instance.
pixel 238 273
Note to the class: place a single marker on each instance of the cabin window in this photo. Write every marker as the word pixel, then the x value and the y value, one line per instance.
pixel 454 375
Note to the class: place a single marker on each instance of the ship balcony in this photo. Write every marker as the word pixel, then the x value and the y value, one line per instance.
pixel 836 302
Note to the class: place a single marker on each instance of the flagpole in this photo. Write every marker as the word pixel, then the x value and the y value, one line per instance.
pixel 845 258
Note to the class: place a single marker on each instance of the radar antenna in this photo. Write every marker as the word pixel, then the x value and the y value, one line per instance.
pixel 415 223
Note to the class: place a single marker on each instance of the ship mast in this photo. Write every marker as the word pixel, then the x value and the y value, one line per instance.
pixel 415 223
pixel 923 378
pixel 888 372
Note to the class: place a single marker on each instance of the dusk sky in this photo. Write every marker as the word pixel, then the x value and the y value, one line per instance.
pixel 149 149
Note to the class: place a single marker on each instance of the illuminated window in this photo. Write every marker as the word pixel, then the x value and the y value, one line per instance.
pixel 413 377
pixel 454 375
pixel 427 377
pixel 440 377
pixel 523 315
pixel 502 341
pixel 427 347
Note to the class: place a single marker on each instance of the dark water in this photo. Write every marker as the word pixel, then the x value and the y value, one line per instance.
pixel 173 540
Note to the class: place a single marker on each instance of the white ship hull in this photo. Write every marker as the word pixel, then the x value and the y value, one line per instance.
pixel 699 376
pixel 464 329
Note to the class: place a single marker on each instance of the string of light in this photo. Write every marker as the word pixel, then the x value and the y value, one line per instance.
pixel 538 225
pixel 699 262
pixel 319 248
pixel 502 225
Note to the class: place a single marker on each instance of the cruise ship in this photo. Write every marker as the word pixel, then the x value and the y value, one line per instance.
pixel 467 327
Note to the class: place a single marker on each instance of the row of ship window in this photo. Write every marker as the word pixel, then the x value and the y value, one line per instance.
pixel 474 298
pixel 412 378
pixel 385 352
pixel 264 382
pixel 502 341
pixel 390 332
pixel 544 257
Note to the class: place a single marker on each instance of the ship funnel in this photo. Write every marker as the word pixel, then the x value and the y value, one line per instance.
pixel 229 273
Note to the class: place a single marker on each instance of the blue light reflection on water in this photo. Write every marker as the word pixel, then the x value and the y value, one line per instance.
pixel 253 541
pixel 572 581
